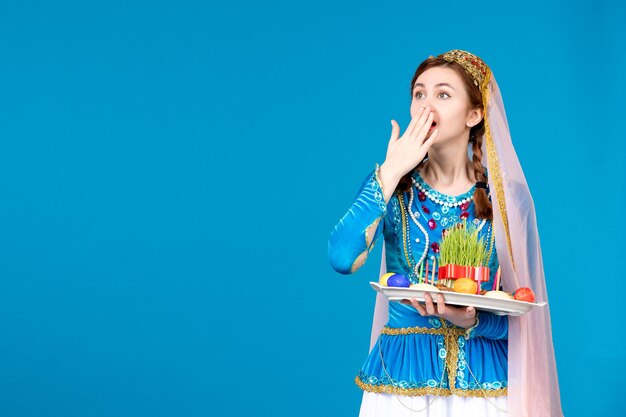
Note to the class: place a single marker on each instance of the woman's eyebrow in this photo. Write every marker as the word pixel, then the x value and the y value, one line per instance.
pixel 436 85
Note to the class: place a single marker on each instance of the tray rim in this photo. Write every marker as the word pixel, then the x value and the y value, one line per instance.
pixel 480 302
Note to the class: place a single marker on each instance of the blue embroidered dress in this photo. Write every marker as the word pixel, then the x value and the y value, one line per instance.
pixel 416 355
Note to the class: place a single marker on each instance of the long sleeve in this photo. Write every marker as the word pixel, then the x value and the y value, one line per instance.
pixel 491 326
pixel 348 239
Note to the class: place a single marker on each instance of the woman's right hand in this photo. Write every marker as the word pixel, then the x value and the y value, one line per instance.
pixel 406 152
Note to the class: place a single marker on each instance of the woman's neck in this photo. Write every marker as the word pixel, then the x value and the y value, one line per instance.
pixel 449 170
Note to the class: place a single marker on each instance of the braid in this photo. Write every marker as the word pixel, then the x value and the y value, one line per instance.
pixel 483 209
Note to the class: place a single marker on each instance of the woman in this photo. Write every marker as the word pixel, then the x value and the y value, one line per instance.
pixel 434 359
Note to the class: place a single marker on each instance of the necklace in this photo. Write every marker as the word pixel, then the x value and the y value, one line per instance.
pixel 406 240
pixel 438 197
pixel 414 217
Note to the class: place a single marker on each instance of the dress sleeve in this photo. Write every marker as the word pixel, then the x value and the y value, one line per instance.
pixel 491 326
pixel 348 241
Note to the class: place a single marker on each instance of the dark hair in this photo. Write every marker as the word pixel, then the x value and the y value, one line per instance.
pixel 483 208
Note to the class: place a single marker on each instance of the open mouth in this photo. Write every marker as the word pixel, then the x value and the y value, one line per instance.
pixel 432 126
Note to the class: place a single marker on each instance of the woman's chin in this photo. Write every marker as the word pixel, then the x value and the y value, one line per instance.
pixel 436 140
pixel 443 141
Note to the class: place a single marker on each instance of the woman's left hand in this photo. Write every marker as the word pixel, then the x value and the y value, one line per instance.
pixel 460 316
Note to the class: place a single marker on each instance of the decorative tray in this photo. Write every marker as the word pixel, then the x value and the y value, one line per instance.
pixel 480 302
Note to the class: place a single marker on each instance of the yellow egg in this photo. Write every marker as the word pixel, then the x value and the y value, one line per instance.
pixel 383 279
pixel 465 285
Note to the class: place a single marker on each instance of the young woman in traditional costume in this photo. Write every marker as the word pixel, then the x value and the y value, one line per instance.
pixel 454 163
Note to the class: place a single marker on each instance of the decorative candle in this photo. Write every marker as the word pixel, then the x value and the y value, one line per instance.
pixel 496 281
pixel 434 265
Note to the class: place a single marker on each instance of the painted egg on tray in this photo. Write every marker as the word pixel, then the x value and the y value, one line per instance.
pixel 524 294
pixel 398 280
pixel 383 279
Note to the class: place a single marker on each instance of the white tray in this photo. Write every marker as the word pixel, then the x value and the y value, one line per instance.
pixel 480 302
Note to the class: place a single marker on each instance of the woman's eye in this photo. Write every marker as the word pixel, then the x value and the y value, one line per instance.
pixel 443 95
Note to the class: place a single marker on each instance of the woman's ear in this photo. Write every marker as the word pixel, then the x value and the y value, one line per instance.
pixel 474 117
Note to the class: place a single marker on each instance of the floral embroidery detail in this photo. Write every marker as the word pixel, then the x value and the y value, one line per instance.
pixel 464 215
pixel 432 224
pixel 425 210
pixel 435 322
pixel 465 205
pixel 395 210
pixel 378 193
pixel 421 196
pixel 435 247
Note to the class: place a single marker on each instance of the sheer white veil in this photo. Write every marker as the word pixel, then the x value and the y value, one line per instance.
pixel 533 388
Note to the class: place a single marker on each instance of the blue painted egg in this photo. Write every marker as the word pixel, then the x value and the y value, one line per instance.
pixel 398 280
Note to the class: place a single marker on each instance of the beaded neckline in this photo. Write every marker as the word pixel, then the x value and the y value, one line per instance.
pixel 440 198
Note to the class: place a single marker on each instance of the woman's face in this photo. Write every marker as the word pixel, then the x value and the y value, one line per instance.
pixel 443 90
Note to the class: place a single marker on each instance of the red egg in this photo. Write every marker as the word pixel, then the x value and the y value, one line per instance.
pixel 524 294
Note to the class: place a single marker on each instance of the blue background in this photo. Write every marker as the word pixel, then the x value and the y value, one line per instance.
pixel 170 173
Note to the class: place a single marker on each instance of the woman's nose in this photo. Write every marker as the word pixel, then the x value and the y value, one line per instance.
pixel 429 102
pixel 429 106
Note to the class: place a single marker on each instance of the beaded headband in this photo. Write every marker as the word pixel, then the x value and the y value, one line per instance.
pixel 473 65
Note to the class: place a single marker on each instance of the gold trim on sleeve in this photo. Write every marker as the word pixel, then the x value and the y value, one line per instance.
pixel 377 178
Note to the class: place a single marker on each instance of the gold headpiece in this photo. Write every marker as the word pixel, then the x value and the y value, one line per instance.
pixel 470 63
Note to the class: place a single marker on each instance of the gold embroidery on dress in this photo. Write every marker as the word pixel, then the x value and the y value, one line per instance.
pixel 377 178
pixel 374 225
pixel 404 227
pixel 359 261
pixel 451 343
pixel 390 389
pixel 442 392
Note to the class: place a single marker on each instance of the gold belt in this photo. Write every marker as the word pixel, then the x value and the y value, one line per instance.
pixel 450 339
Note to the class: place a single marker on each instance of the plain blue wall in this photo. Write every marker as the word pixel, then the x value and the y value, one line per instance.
pixel 170 173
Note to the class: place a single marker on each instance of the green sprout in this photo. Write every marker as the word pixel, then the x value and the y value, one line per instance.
pixel 460 245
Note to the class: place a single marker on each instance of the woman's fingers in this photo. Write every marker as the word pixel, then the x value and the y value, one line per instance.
pixel 395 131
pixel 414 121
pixel 470 312
pixel 430 307
pixel 430 139
pixel 422 131
pixel 441 304
pixel 420 118
pixel 420 308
